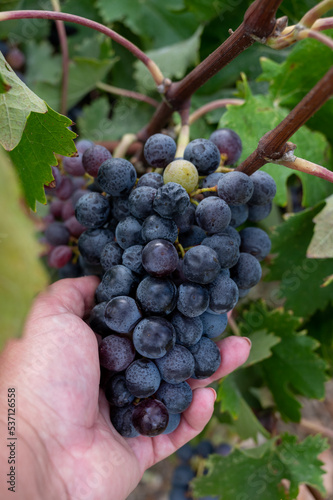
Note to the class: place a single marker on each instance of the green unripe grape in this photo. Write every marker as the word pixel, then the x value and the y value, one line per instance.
pixel 182 172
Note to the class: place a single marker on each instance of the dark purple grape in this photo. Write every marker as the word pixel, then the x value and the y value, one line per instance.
pixel 77 195
pixel 211 181
pixel 176 397
pixel 67 210
pixel 204 155
pixel 204 448
pixel 15 58
pixel 185 220
pixel 56 207
pixel 225 247
pixel 201 264
pixel 93 157
pixel 264 188
pixel 116 353
pixel 193 299
pixel 247 272
pixel 223 293
pixel 142 378
pixel 74 227
pixel 92 210
pixel 128 232
pixel 59 256
pixel 170 200
pixel 132 258
pixel 156 295
pixel 150 417
pixel 65 188
pixel 213 214
pixel 235 188
pixel 192 237
pixel 159 258
pixel 188 330
pixel 92 242
pixel 256 242
pixel 121 419
pixel 89 269
pixel 57 234
pixel 97 320
pixel 207 358
pixel 111 255
pixel 116 176
pixel 159 150
pixel 116 391
pixel 259 212
pixel 70 270
pixel 239 215
pixel 213 324
pixel 140 202
pixel 174 421
pixel 182 475
pixel 122 314
pixel 228 143
pixel 120 208
pixel 185 452
pixel 243 293
pixel 117 281
pixel 232 233
pixel 177 365
pixel 73 165
pixel 151 179
pixel 153 337
pixel 82 145
pixel 223 449
pixel 156 227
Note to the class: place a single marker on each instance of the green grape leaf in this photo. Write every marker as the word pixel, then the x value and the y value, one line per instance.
pixel 127 116
pixel 173 61
pixel 320 327
pixel 21 30
pixel 94 123
pixel 84 73
pixel 262 343
pixel 294 367
pixel 262 469
pixel 204 10
pixel 321 245
pixel 15 107
pixel 301 278
pixel 173 22
pixel 305 65
pixel 244 421
pixel 44 136
pixel 258 115
pixel 21 272
pixel 42 64
pixel 9 5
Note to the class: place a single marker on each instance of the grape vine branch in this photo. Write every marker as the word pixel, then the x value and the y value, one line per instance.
pixel 259 24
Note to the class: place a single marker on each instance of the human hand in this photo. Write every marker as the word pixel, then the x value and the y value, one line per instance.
pixel 69 448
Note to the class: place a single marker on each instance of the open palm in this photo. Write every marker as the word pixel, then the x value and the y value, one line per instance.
pixel 55 368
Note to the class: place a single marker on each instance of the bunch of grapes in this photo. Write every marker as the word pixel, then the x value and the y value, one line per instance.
pixel 61 227
pixel 172 264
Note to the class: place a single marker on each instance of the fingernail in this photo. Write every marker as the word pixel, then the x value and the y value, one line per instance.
pixel 248 340
pixel 214 392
